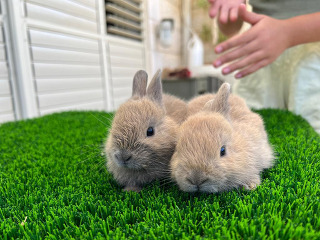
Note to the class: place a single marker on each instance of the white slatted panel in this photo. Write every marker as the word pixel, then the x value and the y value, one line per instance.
pixel 53 70
pixel 124 18
pixel 47 55
pixel 68 84
pixel 67 71
pixel 6 99
pixel 72 8
pixel 57 99
pixel 3 69
pixel 67 67
pixel 43 13
pixel 70 54
pixel 99 105
pixel 56 40
pixel 125 59
pixel 88 3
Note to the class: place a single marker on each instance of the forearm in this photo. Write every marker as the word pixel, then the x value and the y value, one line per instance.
pixel 303 29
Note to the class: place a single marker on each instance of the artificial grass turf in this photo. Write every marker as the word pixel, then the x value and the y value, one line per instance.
pixel 52 172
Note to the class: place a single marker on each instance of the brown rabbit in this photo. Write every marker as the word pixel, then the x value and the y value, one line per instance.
pixel 222 147
pixel 143 135
pixel 196 104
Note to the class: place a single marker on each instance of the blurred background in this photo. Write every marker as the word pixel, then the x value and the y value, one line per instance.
pixel 59 55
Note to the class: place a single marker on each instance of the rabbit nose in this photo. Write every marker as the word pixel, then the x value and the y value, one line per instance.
pixel 197 179
pixel 123 156
pixel 197 182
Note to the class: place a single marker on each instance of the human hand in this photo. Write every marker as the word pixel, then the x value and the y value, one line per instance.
pixel 255 48
pixel 227 10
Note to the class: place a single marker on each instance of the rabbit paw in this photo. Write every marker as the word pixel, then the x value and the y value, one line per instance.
pixel 252 185
pixel 132 188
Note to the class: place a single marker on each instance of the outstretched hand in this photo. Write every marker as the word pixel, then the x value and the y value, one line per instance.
pixel 255 48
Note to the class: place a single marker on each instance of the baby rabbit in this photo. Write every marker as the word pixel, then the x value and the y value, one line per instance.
pixel 143 135
pixel 196 104
pixel 222 147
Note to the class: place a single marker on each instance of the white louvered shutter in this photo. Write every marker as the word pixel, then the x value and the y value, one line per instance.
pixel 126 45
pixel 70 55
pixel 66 54
pixel 6 98
pixel 126 58
pixel 124 18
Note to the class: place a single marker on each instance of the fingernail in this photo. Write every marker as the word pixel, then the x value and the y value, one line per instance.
pixel 226 70
pixel 219 49
pixel 217 63
pixel 238 75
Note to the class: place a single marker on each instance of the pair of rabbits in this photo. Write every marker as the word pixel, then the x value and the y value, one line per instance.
pixel 211 144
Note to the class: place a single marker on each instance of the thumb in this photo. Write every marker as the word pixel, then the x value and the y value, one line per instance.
pixel 249 17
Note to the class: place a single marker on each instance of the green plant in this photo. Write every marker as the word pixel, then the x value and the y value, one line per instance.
pixel 206 33
pixel 203 4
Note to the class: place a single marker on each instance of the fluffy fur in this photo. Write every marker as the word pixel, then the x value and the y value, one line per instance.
pixel 175 108
pixel 134 158
pixel 227 122
pixel 196 104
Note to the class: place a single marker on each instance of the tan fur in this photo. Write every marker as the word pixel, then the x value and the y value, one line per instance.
pixel 196 104
pixel 139 85
pixel 148 156
pixel 175 108
pixel 224 121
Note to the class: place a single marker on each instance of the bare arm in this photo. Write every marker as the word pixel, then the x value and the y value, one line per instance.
pixel 304 29
pixel 265 41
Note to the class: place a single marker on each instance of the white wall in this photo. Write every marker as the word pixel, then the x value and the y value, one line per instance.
pixel 157 55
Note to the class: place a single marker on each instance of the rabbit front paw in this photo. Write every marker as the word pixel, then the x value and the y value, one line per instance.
pixel 132 188
pixel 252 185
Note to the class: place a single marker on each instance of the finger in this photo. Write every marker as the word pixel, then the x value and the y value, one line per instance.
pixel 224 13
pixel 244 62
pixel 239 52
pixel 235 41
pixel 249 17
pixel 253 68
pixel 233 15
pixel 214 9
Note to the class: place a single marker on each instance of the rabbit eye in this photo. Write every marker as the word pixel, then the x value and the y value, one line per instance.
pixel 223 151
pixel 150 131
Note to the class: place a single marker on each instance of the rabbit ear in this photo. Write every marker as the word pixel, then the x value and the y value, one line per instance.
pixel 154 90
pixel 139 85
pixel 220 102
